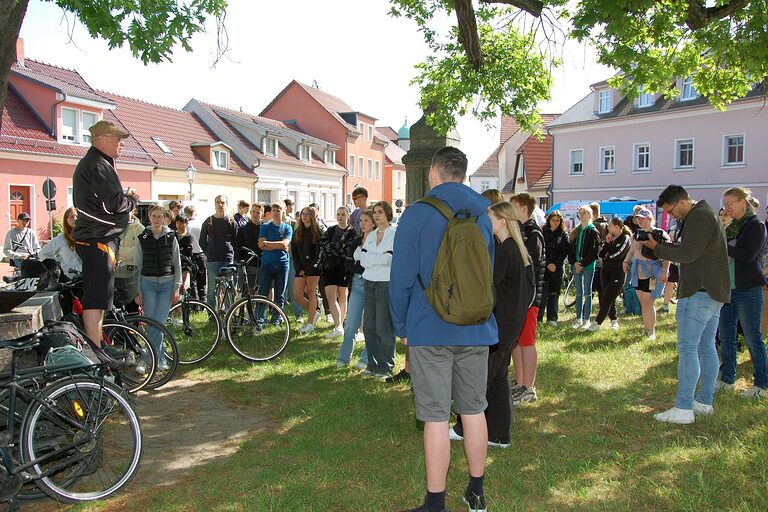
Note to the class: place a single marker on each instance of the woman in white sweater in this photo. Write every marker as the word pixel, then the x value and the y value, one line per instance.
pixel 62 247
pixel 375 256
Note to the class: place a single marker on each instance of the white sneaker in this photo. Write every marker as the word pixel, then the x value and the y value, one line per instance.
pixel 361 365
pixel 359 337
pixel 552 323
pixel 650 335
pixel 754 392
pixel 307 327
pixel 498 445
pixel 577 324
pixel 615 325
pixel 592 327
pixel 454 436
pixel 336 332
pixel 675 415
pixel 316 319
pixel 702 409
pixel 724 386
pixel 141 368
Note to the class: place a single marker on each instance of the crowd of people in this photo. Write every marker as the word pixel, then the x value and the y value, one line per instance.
pixel 373 280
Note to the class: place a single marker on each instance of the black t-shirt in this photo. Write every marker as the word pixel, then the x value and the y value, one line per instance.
pixel 515 289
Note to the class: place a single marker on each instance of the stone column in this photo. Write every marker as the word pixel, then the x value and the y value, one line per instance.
pixel 424 143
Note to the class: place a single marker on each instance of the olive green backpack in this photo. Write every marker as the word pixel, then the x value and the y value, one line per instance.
pixel 461 288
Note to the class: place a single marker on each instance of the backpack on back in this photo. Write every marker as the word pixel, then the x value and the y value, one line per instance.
pixel 461 289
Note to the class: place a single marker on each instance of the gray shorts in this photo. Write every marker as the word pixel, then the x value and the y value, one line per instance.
pixel 439 373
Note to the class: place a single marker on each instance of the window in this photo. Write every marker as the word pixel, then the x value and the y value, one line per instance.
pixel 377 170
pixel 399 175
pixel 330 157
pixel 264 196
pixel 642 157
pixel 605 101
pixel 370 132
pixel 608 159
pixel 485 185
pixel 220 159
pixel 370 169
pixel 361 128
pixel 305 153
pixel 162 145
pixel 689 91
pixel 351 168
pixel 324 205
pixel 684 154
pixel 313 198
pixel 645 99
pixel 89 119
pixel 361 167
pixel 270 146
pixel 576 165
pixel 69 125
pixel 733 149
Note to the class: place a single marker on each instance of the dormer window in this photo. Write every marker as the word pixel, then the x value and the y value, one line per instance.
pixel 75 124
pixel 605 101
pixel 689 91
pixel 220 160
pixel 330 157
pixel 305 153
pixel 89 119
pixel 270 146
pixel 644 99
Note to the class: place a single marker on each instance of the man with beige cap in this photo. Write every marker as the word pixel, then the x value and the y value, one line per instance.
pixel 103 213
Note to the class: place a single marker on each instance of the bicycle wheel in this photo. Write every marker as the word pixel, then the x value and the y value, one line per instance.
pixel 257 329
pixel 169 347
pixel 138 348
pixel 196 328
pixel 569 296
pixel 86 439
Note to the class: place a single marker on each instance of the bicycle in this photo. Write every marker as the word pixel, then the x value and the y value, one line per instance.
pixel 79 439
pixel 569 295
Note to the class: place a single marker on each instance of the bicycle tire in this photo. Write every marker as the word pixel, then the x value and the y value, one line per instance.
pixel 138 347
pixel 97 432
pixel 170 350
pixel 569 296
pixel 257 329
pixel 193 336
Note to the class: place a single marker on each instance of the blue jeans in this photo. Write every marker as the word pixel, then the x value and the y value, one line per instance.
pixel 745 308
pixel 583 281
pixel 355 303
pixel 212 272
pixel 291 276
pixel 273 275
pixel 378 328
pixel 697 318
pixel 157 303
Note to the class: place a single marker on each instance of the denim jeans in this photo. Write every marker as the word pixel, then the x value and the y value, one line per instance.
pixel 583 281
pixel 291 277
pixel 697 317
pixel 378 328
pixel 273 275
pixel 745 308
pixel 553 282
pixel 212 272
pixel 157 303
pixel 355 303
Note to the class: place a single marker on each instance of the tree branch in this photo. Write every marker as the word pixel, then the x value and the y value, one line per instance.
pixel 700 16
pixel 468 37
pixel 532 7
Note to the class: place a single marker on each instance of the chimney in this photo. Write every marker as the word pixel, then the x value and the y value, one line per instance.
pixel 20 51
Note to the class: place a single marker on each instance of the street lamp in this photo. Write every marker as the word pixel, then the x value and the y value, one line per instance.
pixel 191 171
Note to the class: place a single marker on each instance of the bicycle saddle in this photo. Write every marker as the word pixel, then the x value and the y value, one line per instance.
pixel 227 271
pixel 22 342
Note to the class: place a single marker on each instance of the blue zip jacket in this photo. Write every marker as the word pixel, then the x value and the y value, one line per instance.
pixel 417 239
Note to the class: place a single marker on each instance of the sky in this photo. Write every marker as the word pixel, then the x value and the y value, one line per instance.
pixel 352 49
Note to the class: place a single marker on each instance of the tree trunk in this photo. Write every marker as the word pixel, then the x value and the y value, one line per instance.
pixel 11 15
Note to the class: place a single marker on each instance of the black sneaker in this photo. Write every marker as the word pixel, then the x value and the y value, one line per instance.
pixel 422 508
pixel 403 376
pixel 114 352
pixel 476 503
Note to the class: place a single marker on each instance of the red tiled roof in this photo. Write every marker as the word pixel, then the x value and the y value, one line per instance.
pixel 64 80
pixel 491 165
pixel 538 158
pixel 508 126
pixel 176 128
pixel 543 183
pixel 394 153
pixel 387 132
pixel 22 131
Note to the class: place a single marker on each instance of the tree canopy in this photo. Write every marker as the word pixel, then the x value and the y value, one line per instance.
pixel 498 55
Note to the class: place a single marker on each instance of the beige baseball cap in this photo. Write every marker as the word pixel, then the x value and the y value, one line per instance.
pixel 107 128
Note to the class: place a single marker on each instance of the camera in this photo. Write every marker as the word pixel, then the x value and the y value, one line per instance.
pixel 656 234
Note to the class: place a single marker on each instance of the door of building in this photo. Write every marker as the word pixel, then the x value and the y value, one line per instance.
pixel 19 202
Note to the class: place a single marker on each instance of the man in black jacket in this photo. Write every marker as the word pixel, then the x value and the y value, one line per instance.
pixel 103 213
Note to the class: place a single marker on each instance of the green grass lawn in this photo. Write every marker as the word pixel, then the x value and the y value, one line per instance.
pixel 339 442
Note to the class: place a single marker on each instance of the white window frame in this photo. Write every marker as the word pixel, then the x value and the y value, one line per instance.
pixel 688 91
pixel 485 185
pixel 571 162
pixel 329 156
pixel 399 179
pixel 377 170
pixel 86 134
pixel 360 167
pixel 361 127
pixel 726 146
pixel 351 168
pixel 305 153
pixel 678 144
pixel 75 137
pixel 370 132
pixel 267 143
pixel 369 169
pixel 215 161
pixel 607 95
pixel 162 145
pixel 603 153
pixel 636 157
pixel 644 99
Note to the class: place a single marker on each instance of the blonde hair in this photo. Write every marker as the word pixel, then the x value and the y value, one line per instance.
pixel 742 193
pixel 505 211
pixel 493 195
pixel 585 208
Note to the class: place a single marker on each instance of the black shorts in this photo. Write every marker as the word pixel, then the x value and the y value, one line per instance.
pixel 338 277
pixel 98 273
pixel 674 273
pixel 643 285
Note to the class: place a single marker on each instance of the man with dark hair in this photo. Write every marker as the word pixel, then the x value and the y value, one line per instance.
pixel 704 287
pixel 360 198
pixel 447 360
pixel 21 241
pixel 242 215
pixel 274 241
pixel 218 239
pixel 175 208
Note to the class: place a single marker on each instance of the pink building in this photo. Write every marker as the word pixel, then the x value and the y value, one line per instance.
pixel 608 145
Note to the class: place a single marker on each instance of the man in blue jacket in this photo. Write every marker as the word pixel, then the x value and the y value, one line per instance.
pixel 447 360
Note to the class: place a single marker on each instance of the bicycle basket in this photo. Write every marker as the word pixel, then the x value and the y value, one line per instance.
pixel 126 284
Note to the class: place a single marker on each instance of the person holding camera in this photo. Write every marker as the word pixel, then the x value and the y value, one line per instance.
pixel 648 273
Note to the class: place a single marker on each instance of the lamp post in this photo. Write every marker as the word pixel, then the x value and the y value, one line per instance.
pixel 191 171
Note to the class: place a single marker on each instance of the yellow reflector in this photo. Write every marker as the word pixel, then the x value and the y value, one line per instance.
pixel 79 412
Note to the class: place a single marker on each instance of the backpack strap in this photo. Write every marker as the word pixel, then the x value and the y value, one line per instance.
pixel 439 205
